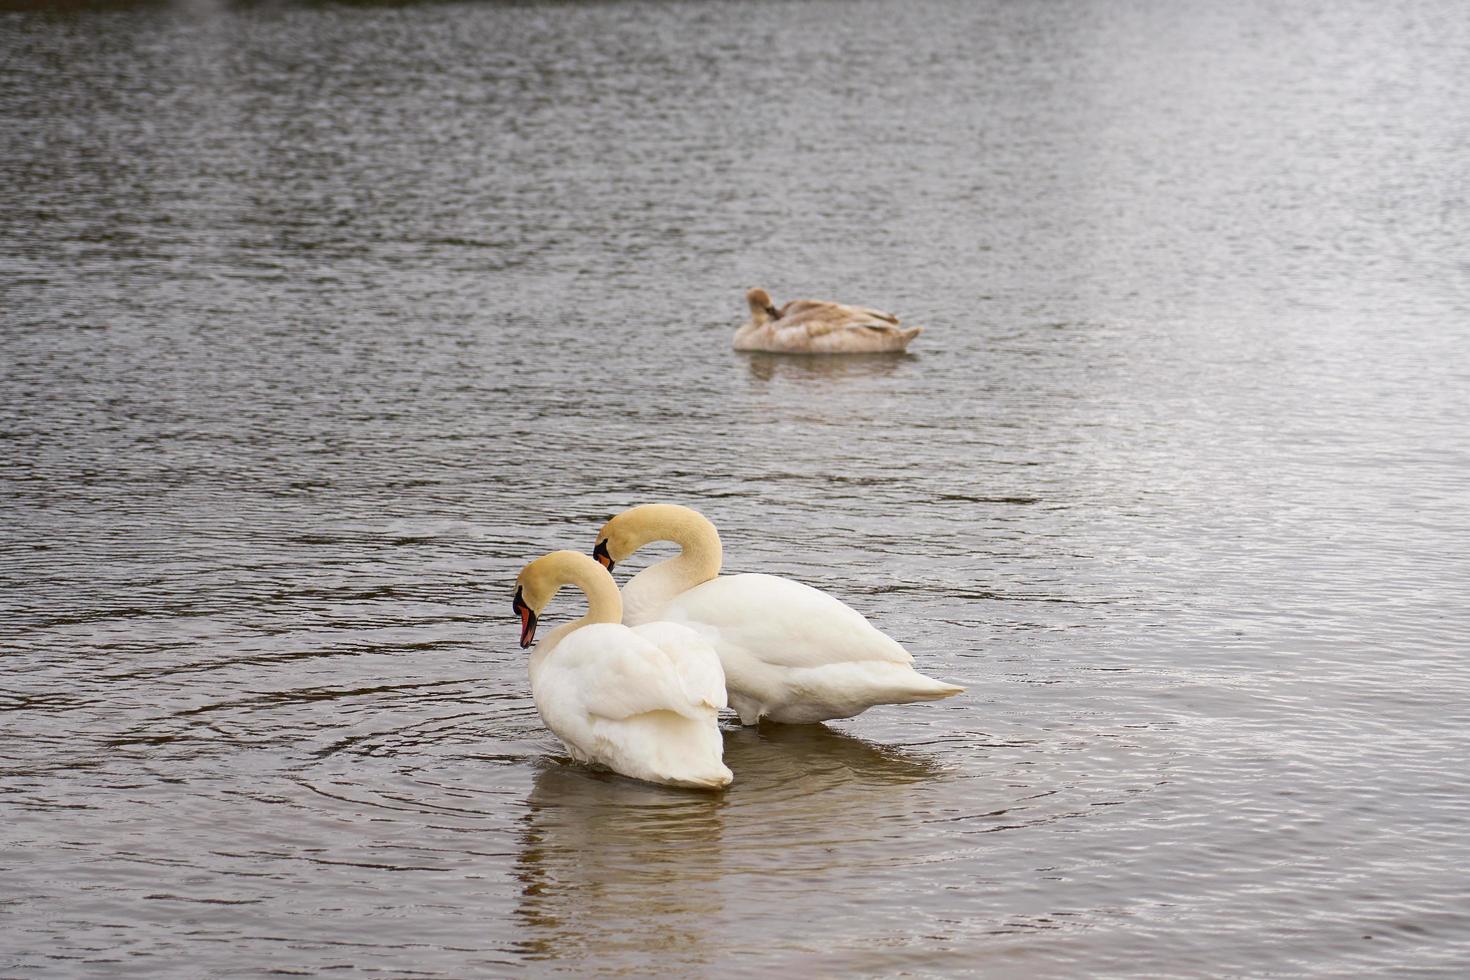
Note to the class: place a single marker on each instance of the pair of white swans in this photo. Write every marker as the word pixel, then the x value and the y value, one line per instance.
pixel 813 326
pixel 637 684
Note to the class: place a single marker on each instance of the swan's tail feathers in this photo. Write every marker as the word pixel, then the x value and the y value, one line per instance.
pixel 902 336
pixel 695 770
pixel 666 747
pixel 923 688
pixel 889 337
pixel 715 779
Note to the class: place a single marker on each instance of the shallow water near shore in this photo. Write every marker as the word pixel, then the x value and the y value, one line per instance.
pixel 320 320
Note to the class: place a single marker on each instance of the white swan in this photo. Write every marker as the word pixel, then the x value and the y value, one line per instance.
pixel 810 326
pixel 791 653
pixel 643 702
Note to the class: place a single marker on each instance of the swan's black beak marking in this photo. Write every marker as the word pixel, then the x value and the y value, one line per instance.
pixel 528 619
pixel 773 313
pixel 600 553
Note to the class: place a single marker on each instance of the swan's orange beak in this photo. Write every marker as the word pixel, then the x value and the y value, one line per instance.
pixel 528 620
pixel 603 558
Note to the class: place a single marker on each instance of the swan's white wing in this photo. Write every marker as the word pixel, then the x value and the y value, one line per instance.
pixel 618 699
pixel 615 673
pixel 783 623
pixel 698 665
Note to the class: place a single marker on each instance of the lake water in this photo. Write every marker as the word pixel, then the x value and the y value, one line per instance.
pixel 320 320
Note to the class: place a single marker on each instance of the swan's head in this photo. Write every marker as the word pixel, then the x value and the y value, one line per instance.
pixel 617 540
pixel 537 584
pixel 638 526
pixel 603 556
pixel 762 310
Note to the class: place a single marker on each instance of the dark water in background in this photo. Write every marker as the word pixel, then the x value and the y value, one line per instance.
pixel 319 321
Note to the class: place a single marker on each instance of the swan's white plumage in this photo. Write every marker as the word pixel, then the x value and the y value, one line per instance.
pixel 794 654
pixel 700 674
pixel 643 702
pixel 790 652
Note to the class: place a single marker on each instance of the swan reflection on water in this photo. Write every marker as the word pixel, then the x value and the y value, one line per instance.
pixel 825 367
pixel 611 868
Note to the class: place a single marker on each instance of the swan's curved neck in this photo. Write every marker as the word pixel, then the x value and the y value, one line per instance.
pixel 700 553
pixel 604 605
pixel 699 558
pixel 762 315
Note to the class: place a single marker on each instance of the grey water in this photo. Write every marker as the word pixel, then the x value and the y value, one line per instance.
pixel 319 320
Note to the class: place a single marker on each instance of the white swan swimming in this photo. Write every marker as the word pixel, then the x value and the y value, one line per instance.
pixel 643 702
pixel 791 653
pixel 810 326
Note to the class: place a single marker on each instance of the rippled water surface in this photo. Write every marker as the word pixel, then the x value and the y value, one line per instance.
pixel 319 321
